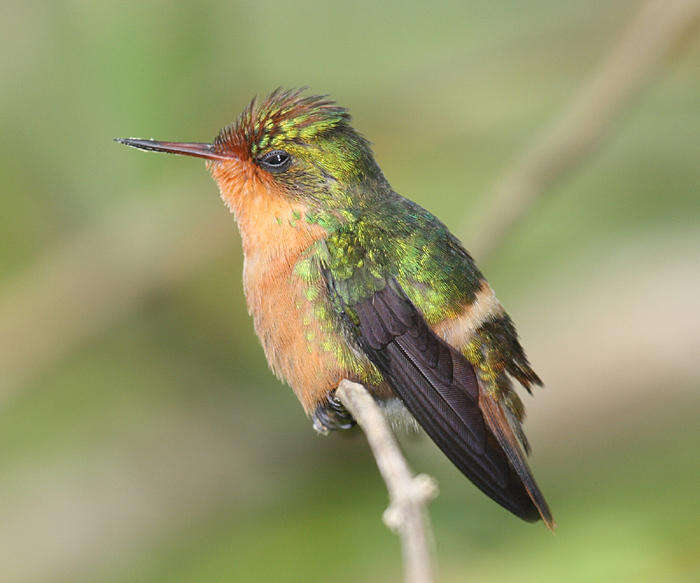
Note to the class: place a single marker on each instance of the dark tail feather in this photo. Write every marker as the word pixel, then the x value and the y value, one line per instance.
pixel 482 460
pixel 503 432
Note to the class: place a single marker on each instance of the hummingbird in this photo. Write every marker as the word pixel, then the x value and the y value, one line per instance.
pixel 346 279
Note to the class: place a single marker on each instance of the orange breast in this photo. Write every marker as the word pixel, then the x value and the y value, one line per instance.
pixel 275 236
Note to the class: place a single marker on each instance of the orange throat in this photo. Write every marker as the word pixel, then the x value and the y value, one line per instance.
pixel 273 226
pixel 275 234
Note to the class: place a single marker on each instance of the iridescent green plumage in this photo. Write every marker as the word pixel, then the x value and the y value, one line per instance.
pixel 393 238
pixel 345 278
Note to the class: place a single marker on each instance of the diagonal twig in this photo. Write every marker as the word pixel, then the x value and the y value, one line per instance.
pixel 408 494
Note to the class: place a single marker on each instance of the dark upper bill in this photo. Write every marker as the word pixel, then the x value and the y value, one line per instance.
pixel 197 149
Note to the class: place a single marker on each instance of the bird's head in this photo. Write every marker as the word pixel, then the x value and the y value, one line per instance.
pixel 285 148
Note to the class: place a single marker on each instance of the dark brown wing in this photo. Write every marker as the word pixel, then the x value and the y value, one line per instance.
pixel 439 388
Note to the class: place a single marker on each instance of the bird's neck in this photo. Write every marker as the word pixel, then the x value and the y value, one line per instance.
pixel 274 230
pixel 274 233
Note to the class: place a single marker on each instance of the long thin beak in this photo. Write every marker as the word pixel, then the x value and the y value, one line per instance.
pixel 197 149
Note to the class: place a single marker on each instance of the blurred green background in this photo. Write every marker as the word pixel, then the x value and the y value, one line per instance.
pixel 142 437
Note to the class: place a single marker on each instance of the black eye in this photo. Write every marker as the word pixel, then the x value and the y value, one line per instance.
pixel 275 161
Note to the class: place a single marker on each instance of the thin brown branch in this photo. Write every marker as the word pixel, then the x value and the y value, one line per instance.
pixel 659 29
pixel 408 494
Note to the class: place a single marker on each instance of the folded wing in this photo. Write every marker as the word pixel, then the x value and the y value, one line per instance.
pixel 439 388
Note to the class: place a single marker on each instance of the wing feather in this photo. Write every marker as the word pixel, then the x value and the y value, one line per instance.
pixel 440 389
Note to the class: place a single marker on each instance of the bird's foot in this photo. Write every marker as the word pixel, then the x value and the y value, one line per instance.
pixel 331 415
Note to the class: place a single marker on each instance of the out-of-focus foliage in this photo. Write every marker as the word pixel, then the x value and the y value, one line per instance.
pixel 161 448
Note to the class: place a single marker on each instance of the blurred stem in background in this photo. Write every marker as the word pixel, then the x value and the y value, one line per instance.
pixel 84 287
pixel 660 29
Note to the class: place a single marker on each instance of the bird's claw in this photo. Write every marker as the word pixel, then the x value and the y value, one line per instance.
pixel 331 415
